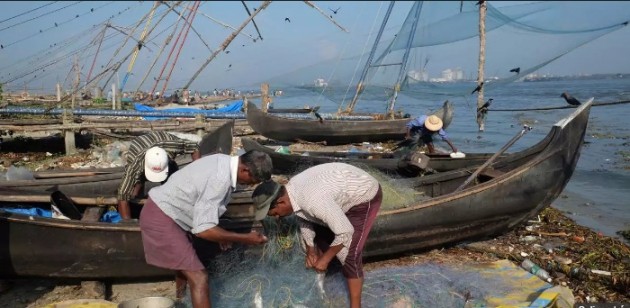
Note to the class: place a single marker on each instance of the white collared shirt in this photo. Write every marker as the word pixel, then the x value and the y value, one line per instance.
pixel 197 195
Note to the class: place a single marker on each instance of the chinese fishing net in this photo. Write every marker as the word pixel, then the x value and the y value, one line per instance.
pixel 443 58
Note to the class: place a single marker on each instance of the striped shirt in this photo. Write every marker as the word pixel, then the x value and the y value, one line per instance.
pixel 134 169
pixel 323 194
pixel 197 195
pixel 417 125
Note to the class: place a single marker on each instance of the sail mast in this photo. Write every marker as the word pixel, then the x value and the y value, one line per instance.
pixel 482 62
pixel 368 64
pixel 403 66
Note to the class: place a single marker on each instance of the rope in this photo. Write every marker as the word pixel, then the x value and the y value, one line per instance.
pixel 32 10
pixel 562 107
pixel 42 15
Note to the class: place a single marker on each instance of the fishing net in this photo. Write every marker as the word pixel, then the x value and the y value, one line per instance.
pixel 444 50
pixel 277 277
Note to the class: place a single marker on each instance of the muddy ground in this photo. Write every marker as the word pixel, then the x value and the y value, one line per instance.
pixel 568 251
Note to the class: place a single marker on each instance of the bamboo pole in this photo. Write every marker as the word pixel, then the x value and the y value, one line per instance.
pixel 482 62
pixel 226 43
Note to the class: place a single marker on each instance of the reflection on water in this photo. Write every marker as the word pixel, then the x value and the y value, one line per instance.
pixel 602 177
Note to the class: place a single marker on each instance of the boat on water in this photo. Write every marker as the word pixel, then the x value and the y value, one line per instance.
pixel 333 131
pixel 515 188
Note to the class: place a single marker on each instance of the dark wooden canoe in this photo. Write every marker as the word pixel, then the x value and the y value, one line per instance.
pixel 517 188
pixel 293 110
pixel 386 162
pixel 105 182
pixel 332 131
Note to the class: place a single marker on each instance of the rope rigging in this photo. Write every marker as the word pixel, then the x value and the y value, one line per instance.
pixel 29 11
pixel 39 16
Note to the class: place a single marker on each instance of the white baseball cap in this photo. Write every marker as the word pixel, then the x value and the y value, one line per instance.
pixel 156 164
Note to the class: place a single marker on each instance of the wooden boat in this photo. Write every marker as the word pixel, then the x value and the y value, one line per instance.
pixel 516 188
pixel 106 180
pixel 333 131
pixel 386 162
pixel 293 110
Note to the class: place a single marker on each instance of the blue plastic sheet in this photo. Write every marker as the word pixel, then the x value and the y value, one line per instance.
pixel 31 212
pixel 236 106
pixel 111 216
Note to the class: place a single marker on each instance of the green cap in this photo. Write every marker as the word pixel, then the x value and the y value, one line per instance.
pixel 263 195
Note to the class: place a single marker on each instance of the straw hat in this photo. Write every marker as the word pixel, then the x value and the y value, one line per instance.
pixel 433 123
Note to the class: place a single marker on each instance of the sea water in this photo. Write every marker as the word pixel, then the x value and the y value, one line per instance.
pixel 598 192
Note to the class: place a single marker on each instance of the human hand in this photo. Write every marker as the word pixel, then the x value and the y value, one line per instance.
pixel 255 238
pixel 225 245
pixel 321 265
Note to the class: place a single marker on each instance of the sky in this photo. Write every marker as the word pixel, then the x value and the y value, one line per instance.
pixel 38 46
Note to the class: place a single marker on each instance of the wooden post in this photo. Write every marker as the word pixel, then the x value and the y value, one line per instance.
pixel 71 148
pixel 58 92
pixel 482 61
pixel 114 96
pixel 265 99
pixel 200 123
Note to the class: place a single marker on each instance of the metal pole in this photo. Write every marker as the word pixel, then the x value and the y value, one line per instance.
pixel 491 160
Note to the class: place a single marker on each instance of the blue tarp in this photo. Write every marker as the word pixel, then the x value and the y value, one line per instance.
pixel 31 211
pixel 236 106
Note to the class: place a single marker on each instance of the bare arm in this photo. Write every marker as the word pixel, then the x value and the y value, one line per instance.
pixel 451 145
pixel 123 205
pixel 196 155
pixel 218 234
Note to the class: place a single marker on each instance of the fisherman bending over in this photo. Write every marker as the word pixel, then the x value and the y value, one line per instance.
pixel 150 157
pixel 424 127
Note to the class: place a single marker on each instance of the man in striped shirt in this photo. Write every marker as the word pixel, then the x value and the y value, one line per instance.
pixel 336 205
pixel 134 178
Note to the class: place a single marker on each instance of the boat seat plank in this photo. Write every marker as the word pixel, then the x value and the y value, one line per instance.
pixel 93 214
pixel 492 173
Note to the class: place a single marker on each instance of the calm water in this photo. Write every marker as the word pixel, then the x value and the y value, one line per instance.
pixel 598 193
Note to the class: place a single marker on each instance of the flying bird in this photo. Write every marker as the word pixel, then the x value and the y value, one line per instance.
pixel 91 10
pixel 229 66
pixel 55 24
pixel 287 19
pixel 1 46
pixel 625 23
pixel 227 51
pixel 570 99
pixel 334 11
pixel 516 70
pixel 478 88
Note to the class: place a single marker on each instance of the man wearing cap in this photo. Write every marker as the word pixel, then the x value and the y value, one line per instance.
pixel 336 205
pixel 149 157
pixel 190 204
pixel 425 126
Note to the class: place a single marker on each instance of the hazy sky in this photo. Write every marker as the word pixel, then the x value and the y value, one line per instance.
pixel 308 38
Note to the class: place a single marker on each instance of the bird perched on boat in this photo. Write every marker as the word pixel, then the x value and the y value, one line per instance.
pixel 287 19
pixel 516 70
pixel 478 88
pixel 480 2
pixel 334 11
pixel 570 99
pixel 319 117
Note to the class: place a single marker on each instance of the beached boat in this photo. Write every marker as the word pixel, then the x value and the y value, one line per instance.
pixel 333 131
pixel 395 162
pixel 87 182
pixel 514 188
pixel 293 110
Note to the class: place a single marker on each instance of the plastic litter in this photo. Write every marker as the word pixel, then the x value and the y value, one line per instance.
pixel 604 273
pixel 283 150
pixel 458 155
pixel 536 270
pixel 18 174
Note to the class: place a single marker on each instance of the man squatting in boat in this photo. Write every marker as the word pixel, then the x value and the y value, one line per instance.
pixel 336 205
pixel 424 127
pixel 190 204
pixel 150 157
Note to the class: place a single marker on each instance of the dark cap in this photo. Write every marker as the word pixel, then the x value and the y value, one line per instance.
pixel 263 196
